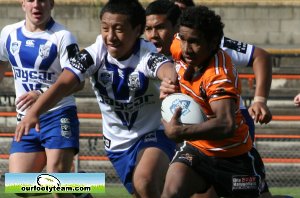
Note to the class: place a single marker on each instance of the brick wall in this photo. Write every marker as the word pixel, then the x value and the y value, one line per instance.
pixel 262 22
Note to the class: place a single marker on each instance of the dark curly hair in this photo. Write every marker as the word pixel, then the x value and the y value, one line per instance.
pixel 132 8
pixel 205 21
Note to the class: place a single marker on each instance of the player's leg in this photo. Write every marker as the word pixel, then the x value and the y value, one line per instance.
pixel 211 193
pixel 27 156
pixel 150 171
pixel 126 162
pixel 60 137
pixel 182 182
pixel 27 162
pixel 59 160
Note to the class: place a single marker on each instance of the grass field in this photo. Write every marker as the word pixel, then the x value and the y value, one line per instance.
pixel 120 192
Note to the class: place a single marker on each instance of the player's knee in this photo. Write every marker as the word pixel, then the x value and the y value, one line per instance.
pixel 145 187
pixel 170 192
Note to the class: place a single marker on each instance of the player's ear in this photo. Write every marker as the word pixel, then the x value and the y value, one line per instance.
pixel 138 30
pixel 23 5
pixel 214 44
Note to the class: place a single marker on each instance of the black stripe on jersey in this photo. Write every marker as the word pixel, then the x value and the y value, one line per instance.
pixel 216 95
pixel 82 61
pixel 235 45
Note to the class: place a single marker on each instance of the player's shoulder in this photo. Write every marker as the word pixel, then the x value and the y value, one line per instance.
pixel 11 27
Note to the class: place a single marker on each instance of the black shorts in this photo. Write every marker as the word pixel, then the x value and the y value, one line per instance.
pixel 239 175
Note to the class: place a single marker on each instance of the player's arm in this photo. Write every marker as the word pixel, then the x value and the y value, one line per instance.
pixel 167 74
pixel 64 86
pixel 26 100
pixel 220 127
pixel 262 68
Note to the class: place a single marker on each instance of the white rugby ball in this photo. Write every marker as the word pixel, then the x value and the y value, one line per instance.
pixel 191 111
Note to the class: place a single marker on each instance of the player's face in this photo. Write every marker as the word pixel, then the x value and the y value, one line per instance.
pixel 118 35
pixel 160 32
pixel 195 49
pixel 38 13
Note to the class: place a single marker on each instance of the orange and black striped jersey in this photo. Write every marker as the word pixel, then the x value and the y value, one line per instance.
pixel 218 81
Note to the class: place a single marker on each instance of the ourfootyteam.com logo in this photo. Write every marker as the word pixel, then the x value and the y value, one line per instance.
pixel 54 183
pixel 49 183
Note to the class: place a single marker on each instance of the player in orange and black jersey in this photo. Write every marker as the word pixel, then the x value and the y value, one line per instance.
pixel 217 152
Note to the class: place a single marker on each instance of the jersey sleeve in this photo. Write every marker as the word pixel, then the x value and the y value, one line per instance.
pixel 151 59
pixel 67 49
pixel 240 53
pixel 86 61
pixel 221 81
pixel 3 38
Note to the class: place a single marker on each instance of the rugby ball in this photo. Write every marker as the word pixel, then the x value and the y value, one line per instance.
pixel 191 111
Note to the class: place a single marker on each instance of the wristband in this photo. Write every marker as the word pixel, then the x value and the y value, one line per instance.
pixel 42 90
pixel 260 99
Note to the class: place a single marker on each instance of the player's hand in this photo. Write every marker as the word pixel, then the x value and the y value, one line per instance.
pixel 173 128
pixel 260 112
pixel 297 100
pixel 29 121
pixel 27 100
pixel 167 87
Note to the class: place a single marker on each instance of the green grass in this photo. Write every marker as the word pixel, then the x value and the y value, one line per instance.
pixel 119 191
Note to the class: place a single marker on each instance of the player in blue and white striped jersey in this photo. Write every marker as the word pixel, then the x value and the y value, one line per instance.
pixel 38 49
pixel 125 72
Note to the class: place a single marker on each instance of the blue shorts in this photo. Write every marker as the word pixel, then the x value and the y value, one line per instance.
pixel 249 122
pixel 124 162
pixel 58 130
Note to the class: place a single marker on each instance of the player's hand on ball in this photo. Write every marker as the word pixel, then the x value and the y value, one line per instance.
pixel 167 87
pixel 173 128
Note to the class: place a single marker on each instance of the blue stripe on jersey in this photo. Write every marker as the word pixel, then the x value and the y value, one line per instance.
pixel 11 57
pixel 121 89
pixel 32 48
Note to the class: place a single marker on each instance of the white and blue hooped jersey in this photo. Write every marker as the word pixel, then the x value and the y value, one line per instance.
pixel 127 91
pixel 37 58
pixel 240 53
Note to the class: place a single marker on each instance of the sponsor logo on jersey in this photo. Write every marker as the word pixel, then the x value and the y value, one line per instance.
pixel 33 75
pixel 44 51
pixel 15 47
pixel 134 81
pixel 156 60
pixel 29 43
pixel 65 126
